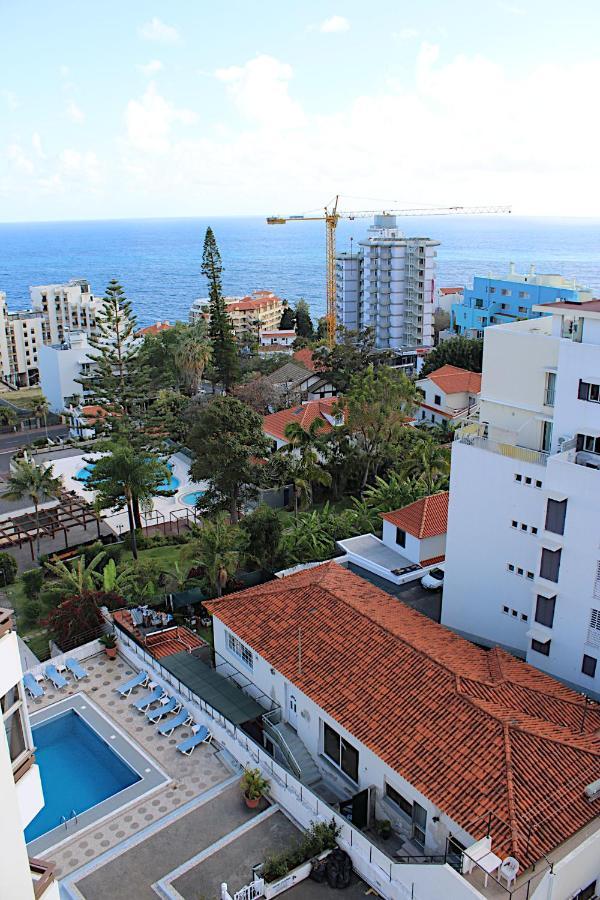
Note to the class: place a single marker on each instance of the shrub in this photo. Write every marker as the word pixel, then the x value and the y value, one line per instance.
pixel 33 580
pixel 319 836
pixel 32 610
pixel 8 568
pixel 114 552
pixel 91 551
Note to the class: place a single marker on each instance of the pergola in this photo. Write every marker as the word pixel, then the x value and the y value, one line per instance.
pixel 69 511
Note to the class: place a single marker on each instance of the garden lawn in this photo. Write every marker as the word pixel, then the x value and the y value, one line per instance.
pixel 167 555
pixel 35 636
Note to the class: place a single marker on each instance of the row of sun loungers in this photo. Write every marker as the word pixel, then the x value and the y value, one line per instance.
pixel 36 690
pixel 168 706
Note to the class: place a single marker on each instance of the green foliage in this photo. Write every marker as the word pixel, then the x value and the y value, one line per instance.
pixel 8 569
pixel 225 361
pixel 319 837
pixel 33 483
pixel 466 353
pixel 353 352
pixel 392 492
pixel 263 531
pixel 217 547
pixel 253 784
pixel 168 415
pixel 32 582
pixel 75 577
pixel 228 441
pixel 304 325
pixel 429 464
pixel 288 319
pixel 32 610
pixel 109 641
pixel 258 393
pixel 111 551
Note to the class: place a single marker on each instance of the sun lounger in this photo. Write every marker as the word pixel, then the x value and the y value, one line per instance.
pixel 155 715
pixel 202 736
pixel 58 680
pixel 75 668
pixel 183 717
pixel 34 689
pixel 141 679
pixel 153 697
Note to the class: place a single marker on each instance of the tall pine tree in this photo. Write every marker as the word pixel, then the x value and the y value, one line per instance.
pixel 225 357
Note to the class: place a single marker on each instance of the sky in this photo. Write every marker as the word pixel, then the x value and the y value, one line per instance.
pixel 193 108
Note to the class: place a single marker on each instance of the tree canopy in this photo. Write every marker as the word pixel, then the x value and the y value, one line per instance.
pixel 354 352
pixel 225 357
pixel 304 325
pixel 466 353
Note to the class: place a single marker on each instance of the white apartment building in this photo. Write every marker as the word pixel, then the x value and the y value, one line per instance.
pixel 60 365
pixel 66 307
pixel 21 796
pixel 389 285
pixel 523 546
pixel 20 338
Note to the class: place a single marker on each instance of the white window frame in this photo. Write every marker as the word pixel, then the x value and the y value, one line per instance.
pixel 239 650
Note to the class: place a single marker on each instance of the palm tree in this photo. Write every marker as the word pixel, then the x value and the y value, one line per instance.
pixel 8 416
pixel 392 493
pixel 217 547
pixel 34 483
pixel 76 578
pixel 300 438
pixel 306 469
pixel 429 464
pixel 193 356
pixel 40 410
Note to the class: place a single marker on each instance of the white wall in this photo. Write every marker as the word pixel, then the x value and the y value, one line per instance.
pixel 575 871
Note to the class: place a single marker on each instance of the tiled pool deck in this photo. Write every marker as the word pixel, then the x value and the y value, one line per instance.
pixel 190 775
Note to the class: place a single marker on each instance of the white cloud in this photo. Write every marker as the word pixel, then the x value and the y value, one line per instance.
pixel 259 90
pixel 157 30
pixel 64 71
pixel 19 159
pixel 36 143
pixel 81 164
pixel 511 8
pixel 151 68
pixel 10 98
pixel 405 34
pixel 334 24
pixel 149 121
pixel 74 112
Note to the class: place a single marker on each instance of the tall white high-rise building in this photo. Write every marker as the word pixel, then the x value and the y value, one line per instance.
pixel 389 285
pixel 65 307
pixel 523 544
pixel 20 339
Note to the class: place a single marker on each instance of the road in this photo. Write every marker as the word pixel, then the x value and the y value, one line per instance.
pixel 12 441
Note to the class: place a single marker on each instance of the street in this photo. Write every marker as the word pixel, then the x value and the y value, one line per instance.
pixel 11 442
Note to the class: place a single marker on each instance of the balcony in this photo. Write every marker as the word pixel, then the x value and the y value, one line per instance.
pixel 43 878
pixel 474 435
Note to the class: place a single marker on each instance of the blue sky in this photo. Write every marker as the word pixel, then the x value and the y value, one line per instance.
pixel 197 108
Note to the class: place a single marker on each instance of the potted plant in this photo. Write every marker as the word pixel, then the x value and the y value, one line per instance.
pixel 110 645
pixel 383 827
pixel 254 786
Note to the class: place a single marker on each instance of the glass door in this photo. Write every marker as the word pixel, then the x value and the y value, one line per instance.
pixel 419 824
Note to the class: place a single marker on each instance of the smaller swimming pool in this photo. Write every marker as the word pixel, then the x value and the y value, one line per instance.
pixel 171 485
pixel 192 498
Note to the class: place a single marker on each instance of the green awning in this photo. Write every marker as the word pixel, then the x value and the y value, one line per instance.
pixel 219 692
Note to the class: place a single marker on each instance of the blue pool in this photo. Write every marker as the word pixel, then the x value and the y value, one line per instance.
pixel 78 770
pixel 191 498
pixel 171 485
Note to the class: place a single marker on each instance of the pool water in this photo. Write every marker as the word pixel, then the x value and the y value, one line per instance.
pixel 171 485
pixel 191 498
pixel 78 770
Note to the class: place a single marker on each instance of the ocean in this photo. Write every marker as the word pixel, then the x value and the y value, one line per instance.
pixel 158 260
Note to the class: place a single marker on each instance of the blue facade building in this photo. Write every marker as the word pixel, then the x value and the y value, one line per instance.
pixel 498 300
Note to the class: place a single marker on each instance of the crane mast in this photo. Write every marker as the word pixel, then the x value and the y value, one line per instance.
pixel 331 217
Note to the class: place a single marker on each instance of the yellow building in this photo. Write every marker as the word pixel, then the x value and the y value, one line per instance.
pixel 261 311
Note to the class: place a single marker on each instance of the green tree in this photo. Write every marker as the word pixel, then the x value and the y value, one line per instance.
pixel 263 531
pixel 353 352
pixel 40 410
pixel 377 405
pixel 225 357
pixel 392 492
pixel 8 569
pixel 228 443
pixel 288 319
pixel 30 482
pixel 192 356
pixel 74 578
pixel 466 353
pixel 304 325
pixel 8 416
pixel 429 464
pixel 217 547
pixel 306 469
pixel 169 414
pixel 125 478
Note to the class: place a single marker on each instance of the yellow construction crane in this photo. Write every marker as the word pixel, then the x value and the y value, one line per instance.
pixel 331 216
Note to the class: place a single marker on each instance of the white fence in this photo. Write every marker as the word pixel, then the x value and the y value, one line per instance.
pixel 78 653
pixel 393 881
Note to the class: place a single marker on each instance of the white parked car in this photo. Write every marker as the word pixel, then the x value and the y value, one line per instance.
pixel 433 580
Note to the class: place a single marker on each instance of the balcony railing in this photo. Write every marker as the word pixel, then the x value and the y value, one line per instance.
pixel 474 436
pixel 42 875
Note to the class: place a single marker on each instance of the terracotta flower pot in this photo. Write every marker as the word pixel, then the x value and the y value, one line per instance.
pixel 251 802
pixel 111 652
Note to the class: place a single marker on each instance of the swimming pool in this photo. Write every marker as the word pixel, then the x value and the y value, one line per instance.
pixel 171 485
pixel 78 770
pixel 191 498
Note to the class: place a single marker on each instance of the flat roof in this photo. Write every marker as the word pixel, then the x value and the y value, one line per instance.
pixel 218 691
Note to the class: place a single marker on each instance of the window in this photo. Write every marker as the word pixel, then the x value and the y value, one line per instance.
pixel 519 570
pixel 235 646
pixel 400 537
pixel 398 800
pixel 556 511
pixel 505 609
pixel 511 568
pixel 588 442
pixel 437 400
pixel 13 712
pixel 524 617
pixel 523 526
pixel 518 477
pixel 514 523
pixel 593 635
pixel 492 290
pixel 550 564
pixel 534 529
pixel 588 665
pixel 544 649
pixel 524 295
pixel 522 309
pixel 530 576
pixel 527 479
pixel 588 391
pixel 538 484
pixel 340 752
pixel 544 610
pixel 506 293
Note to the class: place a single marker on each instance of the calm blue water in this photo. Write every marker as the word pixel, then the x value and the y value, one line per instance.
pixel 191 498
pixel 78 770
pixel 171 485
pixel 158 260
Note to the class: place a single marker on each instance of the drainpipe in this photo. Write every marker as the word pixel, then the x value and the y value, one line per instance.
pixel 550 885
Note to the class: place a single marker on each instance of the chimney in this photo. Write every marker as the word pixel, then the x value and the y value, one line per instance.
pixel 511 268
pixel 532 270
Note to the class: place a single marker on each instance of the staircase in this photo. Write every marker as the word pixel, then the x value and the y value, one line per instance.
pixel 309 772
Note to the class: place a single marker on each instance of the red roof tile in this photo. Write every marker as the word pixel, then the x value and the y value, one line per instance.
pixel 479 733
pixel 451 290
pixel 275 423
pixel 155 329
pixel 427 517
pixel 454 380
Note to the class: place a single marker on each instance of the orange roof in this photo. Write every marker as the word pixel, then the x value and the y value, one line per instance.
pixel 94 412
pixel 258 301
pixel 304 414
pixel 305 358
pixel 155 329
pixel 451 290
pixel 427 517
pixel 279 333
pixel 479 733
pixel 454 380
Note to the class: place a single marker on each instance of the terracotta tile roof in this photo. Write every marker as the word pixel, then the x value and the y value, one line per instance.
pixel 92 412
pixel 259 300
pixel 278 332
pixel 477 732
pixel 432 560
pixel 304 414
pixel 427 517
pixel 305 358
pixel 453 380
pixel 587 306
pixel 155 329
pixel 451 290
